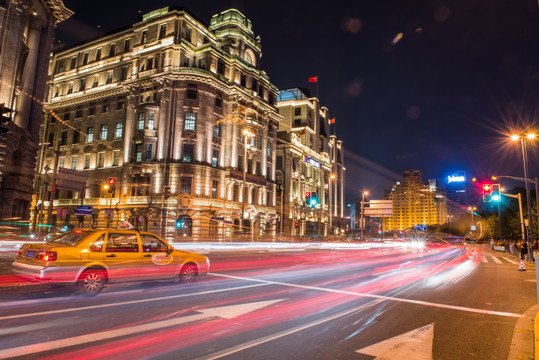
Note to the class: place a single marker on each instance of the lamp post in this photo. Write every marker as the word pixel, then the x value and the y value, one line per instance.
pixel 449 216
pixel 331 178
pixel 522 139
pixel 472 209
pixel 109 190
pixel 365 193
pixel 247 134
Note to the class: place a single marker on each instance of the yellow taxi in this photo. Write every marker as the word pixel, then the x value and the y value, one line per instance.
pixel 91 258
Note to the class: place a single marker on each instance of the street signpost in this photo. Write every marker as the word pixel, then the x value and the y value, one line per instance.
pixel 84 210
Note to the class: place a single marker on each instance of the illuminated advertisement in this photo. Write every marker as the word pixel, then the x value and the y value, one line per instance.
pixel 313 162
pixel 456 178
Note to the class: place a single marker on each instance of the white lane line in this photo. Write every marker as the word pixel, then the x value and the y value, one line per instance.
pixel 374 296
pixel 509 260
pixel 484 259
pixel 496 260
pixel 284 333
pixel 226 312
pixel 101 306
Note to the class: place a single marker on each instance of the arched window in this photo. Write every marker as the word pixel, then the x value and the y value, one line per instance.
pixel 184 225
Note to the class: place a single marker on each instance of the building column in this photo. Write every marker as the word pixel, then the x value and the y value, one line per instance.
pixel 24 102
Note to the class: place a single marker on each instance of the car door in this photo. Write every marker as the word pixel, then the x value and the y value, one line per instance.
pixel 123 256
pixel 156 264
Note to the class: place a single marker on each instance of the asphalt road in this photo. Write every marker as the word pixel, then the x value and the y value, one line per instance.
pixel 437 303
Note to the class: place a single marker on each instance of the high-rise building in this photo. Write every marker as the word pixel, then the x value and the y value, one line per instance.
pixel 180 113
pixel 415 203
pixel 26 37
pixel 310 167
pixel 457 190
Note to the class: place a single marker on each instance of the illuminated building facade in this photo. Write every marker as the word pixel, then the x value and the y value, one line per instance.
pixel 310 168
pixel 26 37
pixel 415 203
pixel 161 106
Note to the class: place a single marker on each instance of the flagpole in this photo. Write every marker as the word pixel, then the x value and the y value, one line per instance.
pixel 317 87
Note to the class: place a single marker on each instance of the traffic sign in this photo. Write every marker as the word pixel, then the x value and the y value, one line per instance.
pixel 421 227
pixel 83 210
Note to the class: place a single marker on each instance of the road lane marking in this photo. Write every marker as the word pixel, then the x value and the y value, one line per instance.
pixel 415 344
pixel 374 296
pixel 484 259
pixel 496 260
pixel 101 306
pixel 227 312
pixel 284 333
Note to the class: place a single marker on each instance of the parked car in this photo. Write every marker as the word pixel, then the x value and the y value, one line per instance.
pixel 91 258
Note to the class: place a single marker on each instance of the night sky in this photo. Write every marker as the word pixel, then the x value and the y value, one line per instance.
pixel 419 84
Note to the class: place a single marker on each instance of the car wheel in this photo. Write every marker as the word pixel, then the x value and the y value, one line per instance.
pixel 91 282
pixel 188 273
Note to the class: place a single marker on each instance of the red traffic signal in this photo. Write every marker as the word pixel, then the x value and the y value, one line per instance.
pixel 112 181
pixel 296 224
pixel 487 192
pixel 307 195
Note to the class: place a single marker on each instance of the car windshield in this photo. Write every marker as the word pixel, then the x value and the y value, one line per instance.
pixel 70 238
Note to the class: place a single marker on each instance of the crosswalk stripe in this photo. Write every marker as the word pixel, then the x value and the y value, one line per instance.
pixel 484 259
pixel 496 260
pixel 510 260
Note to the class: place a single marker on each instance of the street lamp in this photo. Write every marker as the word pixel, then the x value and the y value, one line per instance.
pixel 450 217
pixel 247 134
pixel 332 177
pixel 365 193
pixel 529 136
pixel 109 189
pixel 472 209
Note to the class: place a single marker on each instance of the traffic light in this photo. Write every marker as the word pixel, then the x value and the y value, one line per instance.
pixel 307 195
pixel 179 223
pixel 112 184
pixel 487 192
pixel 313 200
pixel 4 119
pixel 496 193
pixel 296 224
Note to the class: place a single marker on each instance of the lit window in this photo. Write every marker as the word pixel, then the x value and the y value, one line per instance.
pixel 149 152
pixel 151 121
pixel 190 121
pixel 104 132
pixel 119 130
pixel 90 134
pixel 187 153
pixel 215 158
pixel 140 121
pixel 138 152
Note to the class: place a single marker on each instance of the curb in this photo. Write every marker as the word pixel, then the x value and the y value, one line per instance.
pixel 524 341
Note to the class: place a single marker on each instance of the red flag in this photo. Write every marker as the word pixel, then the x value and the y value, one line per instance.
pixel 304 130
pixel 313 79
pixel 332 121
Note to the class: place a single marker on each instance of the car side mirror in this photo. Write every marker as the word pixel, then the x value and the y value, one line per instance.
pixel 170 250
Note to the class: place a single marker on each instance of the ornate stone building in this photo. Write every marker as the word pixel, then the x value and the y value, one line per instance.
pixel 310 167
pixel 161 106
pixel 416 203
pixel 26 36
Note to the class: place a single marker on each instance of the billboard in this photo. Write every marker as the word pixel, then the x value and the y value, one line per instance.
pixel 378 208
